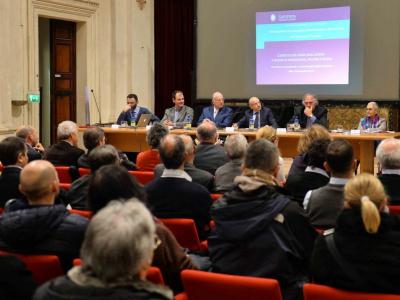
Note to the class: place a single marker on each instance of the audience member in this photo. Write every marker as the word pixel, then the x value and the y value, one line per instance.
pixel 180 113
pixel 65 152
pixel 31 137
pixel 259 115
pixel 310 113
pixel 300 161
pixel 217 112
pixel 388 155
pixel 235 148
pixel 260 232
pixel 372 121
pixel 92 137
pixel 315 175
pixel 210 155
pixel 116 254
pixel 173 195
pixel 147 160
pixel 132 112
pixel 361 253
pixel 323 205
pixel 42 227
pixel 13 156
pixel 201 177
pixel 113 182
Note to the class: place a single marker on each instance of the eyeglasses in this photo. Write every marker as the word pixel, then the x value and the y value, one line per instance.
pixel 157 242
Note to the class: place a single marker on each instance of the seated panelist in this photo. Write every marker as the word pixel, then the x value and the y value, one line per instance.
pixel 179 113
pixel 372 121
pixel 217 112
pixel 132 112
pixel 310 113
pixel 258 115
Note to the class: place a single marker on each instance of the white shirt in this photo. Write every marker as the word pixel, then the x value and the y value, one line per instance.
pixel 215 112
pixel 176 173
pixel 391 171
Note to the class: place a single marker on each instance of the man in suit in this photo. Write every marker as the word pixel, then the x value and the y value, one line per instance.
pixel 132 112
pixel 13 156
pixel 388 155
pixel 65 152
pixel 260 115
pixel 31 137
pixel 217 112
pixel 180 113
pixel 310 113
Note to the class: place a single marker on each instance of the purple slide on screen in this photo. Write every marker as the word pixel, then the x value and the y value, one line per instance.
pixel 309 46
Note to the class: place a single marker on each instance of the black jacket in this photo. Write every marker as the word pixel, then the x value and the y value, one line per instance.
pixel 321 113
pixel 391 182
pixel 9 182
pixel 266 118
pixel 63 153
pixel 210 157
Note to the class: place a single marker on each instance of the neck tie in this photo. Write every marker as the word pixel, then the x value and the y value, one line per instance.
pixel 133 116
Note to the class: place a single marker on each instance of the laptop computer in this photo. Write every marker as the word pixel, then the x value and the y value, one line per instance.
pixel 144 120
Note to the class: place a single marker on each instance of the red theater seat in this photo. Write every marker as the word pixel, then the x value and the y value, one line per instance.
pixel 143 177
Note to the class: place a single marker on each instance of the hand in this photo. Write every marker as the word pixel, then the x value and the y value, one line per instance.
pixel 127 107
pixel 308 111
pixel 168 122
pixel 39 147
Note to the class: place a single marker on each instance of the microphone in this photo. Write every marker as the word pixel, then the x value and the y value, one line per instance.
pixel 97 105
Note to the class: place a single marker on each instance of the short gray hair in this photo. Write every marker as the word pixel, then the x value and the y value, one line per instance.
pixel 189 145
pixel 119 240
pixel 23 131
pixel 235 146
pixel 312 95
pixel 388 154
pixel 155 134
pixel 374 104
pixel 262 155
pixel 65 129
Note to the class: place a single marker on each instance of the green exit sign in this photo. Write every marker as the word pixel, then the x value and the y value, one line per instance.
pixel 33 97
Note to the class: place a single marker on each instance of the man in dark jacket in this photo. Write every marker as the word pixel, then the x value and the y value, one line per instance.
pixel 260 232
pixel 31 138
pixel 259 115
pixel 132 112
pixel 310 113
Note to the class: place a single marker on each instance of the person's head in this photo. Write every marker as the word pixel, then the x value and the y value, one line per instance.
pixel 112 182
pixel 235 146
pixel 132 100
pixel 103 155
pixel 340 158
pixel 189 147
pixel 13 151
pixel 367 193
pixel 312 133
pixel 207 132
pixel 262 155
pixel 268 133
pixel 388 154
pixel 39 182
pixel 310 100
pixel 172 151
pixel 178 99
pixel 93 137
pixel 155 134
pixel 218 100
pixel 316 154
pixel 372 109
pixel 119 243
pixel 68 131
pixel 255 104
pixel 29 134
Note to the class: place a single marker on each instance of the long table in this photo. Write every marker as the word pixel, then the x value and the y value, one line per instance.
pixel 134 140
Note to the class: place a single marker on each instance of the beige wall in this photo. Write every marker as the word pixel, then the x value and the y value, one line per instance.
pixel 115 55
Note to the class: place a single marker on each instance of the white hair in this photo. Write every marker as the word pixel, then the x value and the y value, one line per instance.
pixel 65 129
pixel 388 154
pixel 312 95
pixel 235 146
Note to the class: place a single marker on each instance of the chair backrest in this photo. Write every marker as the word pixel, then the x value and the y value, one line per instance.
pixel 318 292
pixel 84 171
pixel 84 213
pixel 216 196
pixel 64 174
pixel 43 267
pixel 199 285
pixel 143 177
pixel 394 209
pixel 65 186
pixel 1 167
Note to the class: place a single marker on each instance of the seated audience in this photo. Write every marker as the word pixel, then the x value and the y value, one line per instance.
pixel 147 160
pixel 132 112
pixel 210 155
pixel 65 152
pixel 260 232
pixel 388 155
pixel 260 115
pixel 113 182
pixel 300 161
pixel 315 175
pixel 179 113
pixel 372 121
pixel 235 148
pixel 13 156
pixel 323 205
pixel 42 227
pixel 269 133
pixel 174 195
pixel 310 113
pixel 201 177
pixel 218 113
pixel 116 254
pixel 361 254
pixel 31 137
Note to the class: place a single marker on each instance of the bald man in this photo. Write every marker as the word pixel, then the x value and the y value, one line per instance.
pixel 31 137
pixel 259 115
pixel 217 112
pixel 42 227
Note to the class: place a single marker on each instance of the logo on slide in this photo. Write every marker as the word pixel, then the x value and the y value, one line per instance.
pixel 273 18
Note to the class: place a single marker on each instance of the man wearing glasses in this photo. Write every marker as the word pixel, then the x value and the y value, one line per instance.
pixel 132 112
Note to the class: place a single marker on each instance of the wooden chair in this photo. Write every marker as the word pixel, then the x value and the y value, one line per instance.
pixel 143 177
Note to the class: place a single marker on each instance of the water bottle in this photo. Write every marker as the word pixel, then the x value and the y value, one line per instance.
pixel 296 123
pixel 188 122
